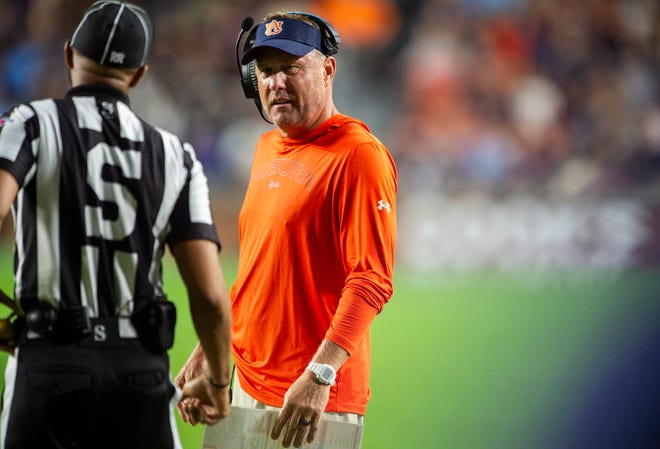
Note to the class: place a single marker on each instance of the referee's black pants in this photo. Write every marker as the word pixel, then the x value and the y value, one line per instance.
pixel 88 395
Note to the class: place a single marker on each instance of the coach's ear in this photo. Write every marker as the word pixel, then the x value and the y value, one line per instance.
pixel 138 76
pixel 68 54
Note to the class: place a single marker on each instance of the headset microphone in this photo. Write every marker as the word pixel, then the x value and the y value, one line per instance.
pixel 248 71
pixel 245 26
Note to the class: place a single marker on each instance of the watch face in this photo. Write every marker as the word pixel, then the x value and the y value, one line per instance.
pixel 326 374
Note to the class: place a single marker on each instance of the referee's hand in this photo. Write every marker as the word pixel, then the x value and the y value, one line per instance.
pixel 193 368
pixel 7 335
pixel 7 346
pixel 203 402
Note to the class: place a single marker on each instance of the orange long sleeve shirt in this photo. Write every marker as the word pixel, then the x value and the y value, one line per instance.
pixel 317 234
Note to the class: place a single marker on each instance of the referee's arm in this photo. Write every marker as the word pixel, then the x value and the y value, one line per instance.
pixel 210 308
pixel 8 191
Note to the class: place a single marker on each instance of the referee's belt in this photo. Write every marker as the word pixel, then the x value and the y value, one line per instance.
pixel 71 325
pixel 100 330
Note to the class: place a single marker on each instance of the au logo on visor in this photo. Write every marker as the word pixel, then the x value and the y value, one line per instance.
pixel 273 27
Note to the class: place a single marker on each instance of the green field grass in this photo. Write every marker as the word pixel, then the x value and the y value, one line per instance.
pixel 478 361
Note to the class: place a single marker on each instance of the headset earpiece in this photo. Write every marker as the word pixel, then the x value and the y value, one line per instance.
pixel 248 71
pixel 249 80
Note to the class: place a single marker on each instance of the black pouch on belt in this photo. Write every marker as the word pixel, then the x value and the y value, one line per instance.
pixel 154 322
pixel 66 324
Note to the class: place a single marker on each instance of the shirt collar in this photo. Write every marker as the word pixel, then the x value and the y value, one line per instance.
pixel 98 90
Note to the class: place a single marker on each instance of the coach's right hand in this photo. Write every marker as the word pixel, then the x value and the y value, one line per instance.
pixel 198 393
pixel 204 402
pixel 194 367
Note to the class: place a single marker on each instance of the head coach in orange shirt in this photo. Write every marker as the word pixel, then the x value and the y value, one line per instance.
pixel 317 234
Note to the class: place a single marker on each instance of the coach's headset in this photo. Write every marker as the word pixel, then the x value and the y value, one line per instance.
pixel 330 42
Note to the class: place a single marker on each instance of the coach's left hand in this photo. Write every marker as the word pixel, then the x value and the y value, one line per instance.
pixel 301 412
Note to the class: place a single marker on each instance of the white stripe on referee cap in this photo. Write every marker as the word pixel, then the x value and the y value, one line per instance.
pixel 112 32
pixel 95 7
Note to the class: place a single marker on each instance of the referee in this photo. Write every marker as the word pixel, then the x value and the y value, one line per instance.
pixel 96 194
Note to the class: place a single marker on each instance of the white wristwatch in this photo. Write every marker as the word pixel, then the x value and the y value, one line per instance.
pixel 325 374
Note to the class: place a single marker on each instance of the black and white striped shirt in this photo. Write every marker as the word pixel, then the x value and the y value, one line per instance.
pixel 102 192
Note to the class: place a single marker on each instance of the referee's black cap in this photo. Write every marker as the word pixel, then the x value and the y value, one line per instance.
pixel 115 34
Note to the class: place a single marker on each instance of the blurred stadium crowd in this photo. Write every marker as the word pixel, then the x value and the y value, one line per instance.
pixel 526 132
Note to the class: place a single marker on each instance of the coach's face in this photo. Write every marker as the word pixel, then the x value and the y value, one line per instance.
pixel 296 92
